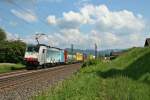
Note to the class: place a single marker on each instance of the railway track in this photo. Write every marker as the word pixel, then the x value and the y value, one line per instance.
pixel 16 78
pixel 22 79
pixel 11 73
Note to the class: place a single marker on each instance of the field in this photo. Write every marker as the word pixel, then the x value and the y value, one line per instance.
pixel 8 67
pixel 125 78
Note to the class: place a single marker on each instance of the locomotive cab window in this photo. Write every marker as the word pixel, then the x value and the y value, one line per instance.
pixel 32 48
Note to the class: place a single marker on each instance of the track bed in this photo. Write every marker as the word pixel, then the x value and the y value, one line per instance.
pixel 23 85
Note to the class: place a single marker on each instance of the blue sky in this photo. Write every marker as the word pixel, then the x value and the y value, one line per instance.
pixel 109 23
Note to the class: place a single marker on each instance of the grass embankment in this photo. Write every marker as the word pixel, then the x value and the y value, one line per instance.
pixel 125 78
pixel 8 67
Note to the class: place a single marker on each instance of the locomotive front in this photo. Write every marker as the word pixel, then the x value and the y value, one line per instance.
pixel 31 55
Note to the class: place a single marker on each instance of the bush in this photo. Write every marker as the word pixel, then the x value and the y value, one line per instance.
pixel 90 62
pixel 12 51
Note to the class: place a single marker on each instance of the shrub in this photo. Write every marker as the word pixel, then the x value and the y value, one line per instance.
pixel 12 51
pixel 90 62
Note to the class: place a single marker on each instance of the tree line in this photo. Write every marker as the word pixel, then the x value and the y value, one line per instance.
pixel 11 51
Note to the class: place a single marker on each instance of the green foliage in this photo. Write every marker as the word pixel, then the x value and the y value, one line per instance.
pixel 90 62
pixel 2 35
pixel 133 64
pixel 12 51
pixel 125 78
pixel 7 67
pixel 131 56
pixel 71 89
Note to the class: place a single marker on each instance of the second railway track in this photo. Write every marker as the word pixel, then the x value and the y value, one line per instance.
pixel 11 73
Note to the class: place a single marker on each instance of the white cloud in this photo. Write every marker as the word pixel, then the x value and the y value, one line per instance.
pixel 28 15
pixel 102 19
pixel 65 38
pixel 106 20
pixel 51 20
pixel 109 29
pixel 111 38
pixel 69 20
pixel 73 16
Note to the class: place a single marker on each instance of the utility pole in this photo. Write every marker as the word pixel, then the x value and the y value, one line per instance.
pixel 95 50
pixel 72 50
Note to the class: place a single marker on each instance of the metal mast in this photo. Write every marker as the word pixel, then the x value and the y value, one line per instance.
pixel 72 50
pixel 95 50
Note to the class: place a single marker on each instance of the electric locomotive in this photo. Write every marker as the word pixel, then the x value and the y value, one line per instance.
pixel 42 56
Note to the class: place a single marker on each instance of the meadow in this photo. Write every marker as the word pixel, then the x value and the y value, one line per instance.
pixel 124 78
pixel 8 67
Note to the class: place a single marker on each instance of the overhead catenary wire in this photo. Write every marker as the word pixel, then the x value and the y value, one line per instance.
pixel 6 20
pixel 25 10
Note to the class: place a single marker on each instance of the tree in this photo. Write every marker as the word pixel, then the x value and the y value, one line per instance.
pixel 12 51
pixel 2 35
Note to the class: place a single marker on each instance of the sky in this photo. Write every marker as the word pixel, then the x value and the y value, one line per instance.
pixel 111 24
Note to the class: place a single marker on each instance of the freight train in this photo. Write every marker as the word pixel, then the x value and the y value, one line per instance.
pixel 43 56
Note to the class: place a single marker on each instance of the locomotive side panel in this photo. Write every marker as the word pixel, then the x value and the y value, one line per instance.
pixel 53 55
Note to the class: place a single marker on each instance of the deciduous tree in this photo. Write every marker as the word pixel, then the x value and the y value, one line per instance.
pixel 2 35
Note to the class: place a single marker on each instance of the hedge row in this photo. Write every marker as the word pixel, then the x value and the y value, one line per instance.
pixel 12 51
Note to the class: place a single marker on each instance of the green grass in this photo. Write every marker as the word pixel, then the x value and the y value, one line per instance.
pixel 125 78
pixel 8 67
